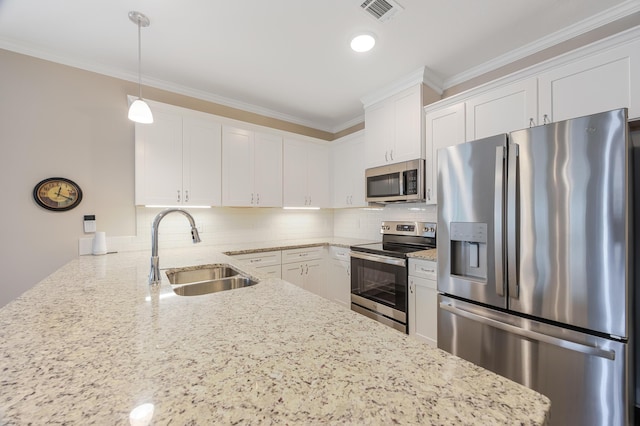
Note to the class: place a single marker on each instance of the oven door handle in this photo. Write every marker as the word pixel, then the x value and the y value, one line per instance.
pixel 378 258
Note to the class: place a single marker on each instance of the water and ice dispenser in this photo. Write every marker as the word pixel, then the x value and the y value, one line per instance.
pixel 469 249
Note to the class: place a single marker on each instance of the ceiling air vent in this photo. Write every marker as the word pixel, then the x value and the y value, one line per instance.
pixel 381 10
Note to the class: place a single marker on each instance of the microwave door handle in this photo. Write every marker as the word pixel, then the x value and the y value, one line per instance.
pixel 403 178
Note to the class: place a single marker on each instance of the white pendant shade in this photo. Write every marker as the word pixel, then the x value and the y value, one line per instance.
pixel 140 112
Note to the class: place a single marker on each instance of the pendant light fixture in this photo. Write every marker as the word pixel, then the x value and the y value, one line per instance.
pixel 139 111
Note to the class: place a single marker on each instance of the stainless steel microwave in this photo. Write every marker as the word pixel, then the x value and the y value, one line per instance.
pixel 396 183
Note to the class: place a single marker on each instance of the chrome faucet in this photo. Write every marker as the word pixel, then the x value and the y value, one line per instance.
pixel 154 275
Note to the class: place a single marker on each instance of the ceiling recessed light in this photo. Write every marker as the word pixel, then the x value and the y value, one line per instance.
pixel 363 42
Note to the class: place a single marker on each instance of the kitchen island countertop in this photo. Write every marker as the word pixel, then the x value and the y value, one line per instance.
pixel 93 341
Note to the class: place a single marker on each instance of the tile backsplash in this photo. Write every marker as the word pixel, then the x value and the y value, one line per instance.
pixel 228 225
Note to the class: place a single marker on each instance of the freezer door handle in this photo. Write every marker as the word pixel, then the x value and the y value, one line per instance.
pixel 498 219
pixel 512 224
pixel 528 334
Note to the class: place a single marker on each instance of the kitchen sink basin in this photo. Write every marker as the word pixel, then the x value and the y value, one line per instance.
pixel 197 274
pixel 205 279
pixel 213 286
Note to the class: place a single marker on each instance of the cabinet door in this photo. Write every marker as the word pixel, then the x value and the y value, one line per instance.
pixel 357 168
pixel 339 283
pixel 201 162
pixel 408 127
pixel 268 170
pixel 444 127
pixel 315 280
pixel 318 175
pixel 502 110
pixel 341 175
pixel 295 174
pixel 598 83
pixel 237 167
pixel 159 160
pixel 347 174
pixel 379 133
pixel 423 302
pixel 294 273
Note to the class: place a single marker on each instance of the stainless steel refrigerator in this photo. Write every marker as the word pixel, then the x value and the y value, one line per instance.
pixel 535 262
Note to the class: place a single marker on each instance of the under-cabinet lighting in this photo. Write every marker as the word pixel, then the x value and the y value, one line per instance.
pixel 168 206
pixel 301 208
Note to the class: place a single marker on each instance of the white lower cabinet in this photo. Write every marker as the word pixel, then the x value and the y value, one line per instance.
pixel 423 301
pixel 305 268
pixel 268 262
pixel 339 276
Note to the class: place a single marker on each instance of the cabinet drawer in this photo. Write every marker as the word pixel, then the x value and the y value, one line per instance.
pixel 271 271
pixel 423 268
pixel 265 258
pixel 340 253
pixel 302 254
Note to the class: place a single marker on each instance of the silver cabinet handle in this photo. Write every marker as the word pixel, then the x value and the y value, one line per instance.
pixel 545 119
pixel 258 198
pixel 427 270
pixel 528 334
pixel 429 194
pixel 386 158
pixel 307 271
pixel 498 207
pixel 178 198
pixel 512 224
pixel 186 196
pixel 252 198
pixel 531 122
pixel 411 285
pixel 391 155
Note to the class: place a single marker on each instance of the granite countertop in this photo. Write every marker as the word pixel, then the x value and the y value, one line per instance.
pixel 244 248
pixel 93 341
pixel 431 254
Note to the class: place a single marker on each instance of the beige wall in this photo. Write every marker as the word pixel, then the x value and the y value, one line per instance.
pixel 59 121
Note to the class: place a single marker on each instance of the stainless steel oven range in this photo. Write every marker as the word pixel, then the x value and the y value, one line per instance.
pixel 379 272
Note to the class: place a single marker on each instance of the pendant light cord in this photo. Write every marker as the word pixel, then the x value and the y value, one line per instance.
pixel 139 63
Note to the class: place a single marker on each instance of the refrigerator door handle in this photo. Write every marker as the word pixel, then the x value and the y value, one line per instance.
pixel 512 224
pixel 498 216
pixel 528 334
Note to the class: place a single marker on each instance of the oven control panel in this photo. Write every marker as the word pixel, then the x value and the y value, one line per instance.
pixel 421 229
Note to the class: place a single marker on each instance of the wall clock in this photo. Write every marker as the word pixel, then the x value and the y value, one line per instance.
pixel 57 194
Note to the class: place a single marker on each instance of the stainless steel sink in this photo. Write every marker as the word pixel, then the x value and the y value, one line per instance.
pixel 205 279
pixel 213 286
pixel 200 273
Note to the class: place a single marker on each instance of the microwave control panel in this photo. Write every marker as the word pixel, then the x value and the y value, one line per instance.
pixel 411 182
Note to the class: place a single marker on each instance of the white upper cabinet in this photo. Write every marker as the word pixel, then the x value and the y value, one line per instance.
pixel 178 159
pixel 347 159
pixel 502 110
pixel 443 127
pixel 597 83
pixel 251 168
pixel 394 128
pixel 306 174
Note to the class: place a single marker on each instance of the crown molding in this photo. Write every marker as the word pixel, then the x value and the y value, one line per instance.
pixel 596 21
pixel 422 75
pixel 168 86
